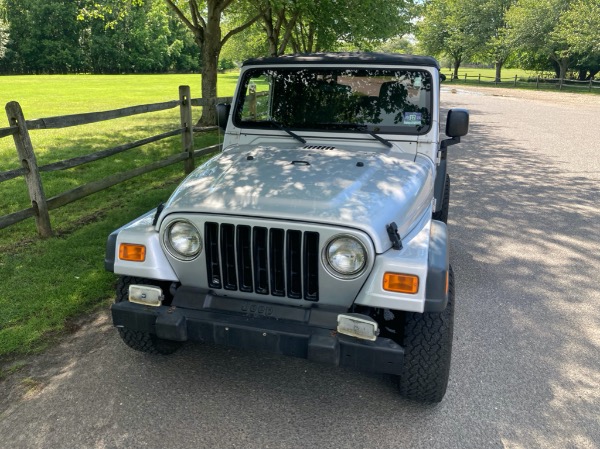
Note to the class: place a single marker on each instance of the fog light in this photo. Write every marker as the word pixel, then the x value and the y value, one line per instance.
pixel 357 325
pixel 147 295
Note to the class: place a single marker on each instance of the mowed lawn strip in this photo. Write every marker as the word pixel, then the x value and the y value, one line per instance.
pixel 48 282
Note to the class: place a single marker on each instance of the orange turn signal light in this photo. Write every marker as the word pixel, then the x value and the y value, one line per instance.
pixel 132 252
pixel 401 283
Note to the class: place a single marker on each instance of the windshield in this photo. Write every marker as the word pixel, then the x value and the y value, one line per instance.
pixel 377 100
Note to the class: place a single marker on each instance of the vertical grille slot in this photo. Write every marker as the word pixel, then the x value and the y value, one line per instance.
pixel 294 264
pixel 311 266
pixel 211 236
pixel 244 257
pixel 261 264
pixel 228 256
pixel 276 256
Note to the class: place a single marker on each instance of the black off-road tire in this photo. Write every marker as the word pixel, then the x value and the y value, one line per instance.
pixel 142 341
pixel 427 352
pixel 442 214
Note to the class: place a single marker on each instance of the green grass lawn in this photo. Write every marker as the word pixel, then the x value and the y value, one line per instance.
pixel 489 74
pixel 48 282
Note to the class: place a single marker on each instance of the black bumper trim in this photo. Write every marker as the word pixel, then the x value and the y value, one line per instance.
pixel 283 337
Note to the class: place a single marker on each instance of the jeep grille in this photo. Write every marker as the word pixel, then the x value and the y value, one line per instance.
pixel 277 262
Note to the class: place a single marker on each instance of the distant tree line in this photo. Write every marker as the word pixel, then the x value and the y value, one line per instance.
pixel 60 36
pixel 558 35
pixel 155 36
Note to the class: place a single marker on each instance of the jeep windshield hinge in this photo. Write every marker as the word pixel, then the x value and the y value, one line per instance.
pixel 392 230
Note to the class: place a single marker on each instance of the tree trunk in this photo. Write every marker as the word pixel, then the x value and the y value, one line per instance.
pixel 563 63
pixel 210 57
pixel 456 64
pixel 499 65
pixel 211 49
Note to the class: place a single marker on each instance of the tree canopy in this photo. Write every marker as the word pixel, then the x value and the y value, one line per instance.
pixel 537 34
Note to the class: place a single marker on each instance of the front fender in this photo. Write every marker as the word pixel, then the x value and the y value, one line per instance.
pixel 140 231
pixel 425 255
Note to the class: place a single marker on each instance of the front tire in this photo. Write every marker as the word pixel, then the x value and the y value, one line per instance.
pixel 142 341
pixel 427 352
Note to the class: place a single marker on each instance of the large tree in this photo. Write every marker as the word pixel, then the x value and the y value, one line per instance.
pixel 448 28
pixel 532 25
pixel 579 27
pixel 359 23
pixel 204 19
pixel 490 19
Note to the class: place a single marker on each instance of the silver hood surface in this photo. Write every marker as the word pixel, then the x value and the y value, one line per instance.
pixel 364 190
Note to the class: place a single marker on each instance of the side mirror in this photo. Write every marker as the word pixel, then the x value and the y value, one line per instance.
pixel 442 77
pixel 457 123
pixel 223 110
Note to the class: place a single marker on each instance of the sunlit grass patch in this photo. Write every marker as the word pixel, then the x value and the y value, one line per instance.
pixel 48 282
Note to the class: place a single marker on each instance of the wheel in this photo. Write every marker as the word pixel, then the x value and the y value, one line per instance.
pixel 427 352
pixel 142 341
pixel 442 214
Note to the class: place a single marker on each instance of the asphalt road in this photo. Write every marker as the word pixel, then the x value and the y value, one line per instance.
pixel 525 232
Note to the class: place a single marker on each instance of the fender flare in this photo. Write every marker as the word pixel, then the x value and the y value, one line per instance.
pixel 436 295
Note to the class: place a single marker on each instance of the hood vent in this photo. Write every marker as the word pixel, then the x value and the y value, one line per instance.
pixel 318 147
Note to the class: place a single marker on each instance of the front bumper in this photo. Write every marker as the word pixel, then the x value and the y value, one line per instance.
pixel 300 333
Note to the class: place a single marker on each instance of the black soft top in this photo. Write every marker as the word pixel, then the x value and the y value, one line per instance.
pixel 345 59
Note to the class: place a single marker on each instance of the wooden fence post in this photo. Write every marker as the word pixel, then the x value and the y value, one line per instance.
pixel 537 82
pixel 591 83
pixel 479 79
pixel 515 80
pixel 187 137
pixel 29 162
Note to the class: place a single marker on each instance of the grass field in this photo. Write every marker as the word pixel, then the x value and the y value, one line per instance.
pixel 490 73
pixel 47 282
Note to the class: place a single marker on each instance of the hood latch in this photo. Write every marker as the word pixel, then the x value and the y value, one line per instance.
pixel 392 230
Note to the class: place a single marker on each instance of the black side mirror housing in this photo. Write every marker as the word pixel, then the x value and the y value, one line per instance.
pixel 223 110
pixel 457 123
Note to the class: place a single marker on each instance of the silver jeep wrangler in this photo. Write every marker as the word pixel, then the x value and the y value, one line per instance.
pixel 318 232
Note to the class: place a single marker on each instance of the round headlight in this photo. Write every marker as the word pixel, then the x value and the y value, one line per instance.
pixel 346 255
pixel 183 239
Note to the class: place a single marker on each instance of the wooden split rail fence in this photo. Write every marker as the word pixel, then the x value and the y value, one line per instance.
pixel 19 129
pixel 589 85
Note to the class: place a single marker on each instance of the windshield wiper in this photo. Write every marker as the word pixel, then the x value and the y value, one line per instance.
pixel 360 128
pixel 283 128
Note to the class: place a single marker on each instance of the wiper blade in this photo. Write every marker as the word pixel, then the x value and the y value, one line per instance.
pixel 360 128
pixel 283 128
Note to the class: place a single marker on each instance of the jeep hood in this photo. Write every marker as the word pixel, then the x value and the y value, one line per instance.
pixel 364 190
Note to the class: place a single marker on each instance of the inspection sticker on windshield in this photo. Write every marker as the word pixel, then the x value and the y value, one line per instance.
pixel 412 118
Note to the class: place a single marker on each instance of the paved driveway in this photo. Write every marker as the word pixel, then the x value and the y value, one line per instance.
pixel 525 230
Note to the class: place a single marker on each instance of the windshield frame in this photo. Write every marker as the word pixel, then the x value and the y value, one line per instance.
pixel 428 89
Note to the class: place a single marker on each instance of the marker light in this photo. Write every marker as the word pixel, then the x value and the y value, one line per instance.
pixel 132 252
pixel 401 283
